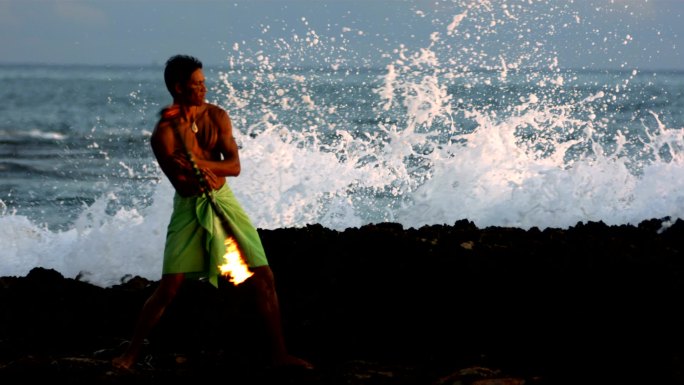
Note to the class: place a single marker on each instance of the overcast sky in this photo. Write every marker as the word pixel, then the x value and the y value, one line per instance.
pixel 645 34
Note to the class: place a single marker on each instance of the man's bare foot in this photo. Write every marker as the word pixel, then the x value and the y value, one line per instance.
pixel 289 361
pixel 123 363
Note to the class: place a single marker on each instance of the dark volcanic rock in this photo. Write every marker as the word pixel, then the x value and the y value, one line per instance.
pixel 383 305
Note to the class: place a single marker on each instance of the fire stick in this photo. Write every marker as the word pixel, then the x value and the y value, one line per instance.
pixel 206 189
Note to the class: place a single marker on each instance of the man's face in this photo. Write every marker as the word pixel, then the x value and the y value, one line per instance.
pixel 194 91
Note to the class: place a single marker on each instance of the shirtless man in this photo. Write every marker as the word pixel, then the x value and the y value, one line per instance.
pixel 205 131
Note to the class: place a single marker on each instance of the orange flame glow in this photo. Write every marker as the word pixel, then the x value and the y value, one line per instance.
pixel 234 267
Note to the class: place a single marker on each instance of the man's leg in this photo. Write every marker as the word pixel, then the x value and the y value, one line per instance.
pixel 269 308
pixel 149 316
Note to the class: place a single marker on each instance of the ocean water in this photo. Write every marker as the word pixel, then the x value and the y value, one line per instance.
pixel 418 137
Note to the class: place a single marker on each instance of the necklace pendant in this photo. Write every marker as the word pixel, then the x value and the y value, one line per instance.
pixel 194 127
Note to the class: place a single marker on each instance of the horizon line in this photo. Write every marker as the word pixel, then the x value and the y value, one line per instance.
pixel 215 65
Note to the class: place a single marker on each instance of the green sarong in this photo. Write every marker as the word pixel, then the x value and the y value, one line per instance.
pixel 195 236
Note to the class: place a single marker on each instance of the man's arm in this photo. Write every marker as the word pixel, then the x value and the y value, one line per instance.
pixel 226 145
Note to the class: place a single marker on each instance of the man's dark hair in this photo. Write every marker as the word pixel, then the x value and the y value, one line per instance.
pixel 178 69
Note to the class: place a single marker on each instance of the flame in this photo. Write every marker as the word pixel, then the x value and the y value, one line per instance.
pixel 234 266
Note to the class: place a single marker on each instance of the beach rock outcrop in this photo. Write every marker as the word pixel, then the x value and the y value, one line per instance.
pixel 384 304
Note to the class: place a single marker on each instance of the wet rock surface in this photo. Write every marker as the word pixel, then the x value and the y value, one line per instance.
pixel 383 304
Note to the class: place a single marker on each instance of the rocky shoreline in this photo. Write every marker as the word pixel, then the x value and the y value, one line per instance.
pixel 382 304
